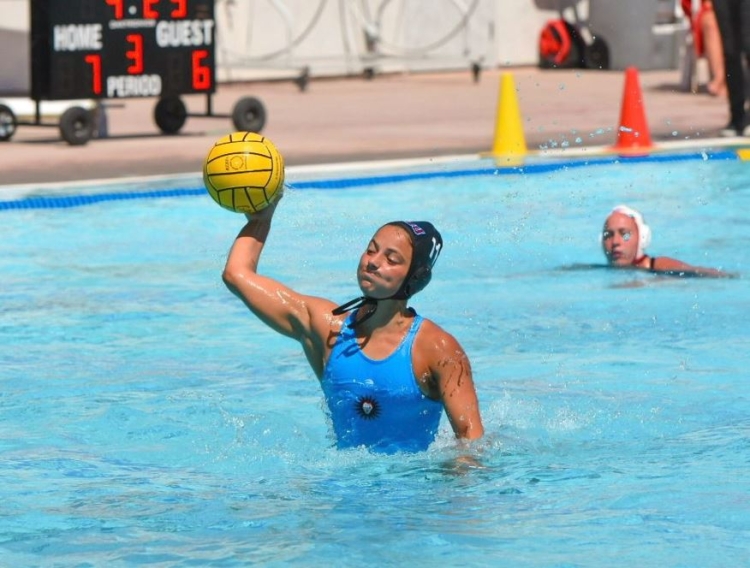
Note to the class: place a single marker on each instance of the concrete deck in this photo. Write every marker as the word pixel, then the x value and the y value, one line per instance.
pixel 394 116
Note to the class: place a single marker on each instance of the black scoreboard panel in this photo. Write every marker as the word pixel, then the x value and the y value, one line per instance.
pixel 100 49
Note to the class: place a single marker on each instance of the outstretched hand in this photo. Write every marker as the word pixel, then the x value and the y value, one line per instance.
pixel 267 213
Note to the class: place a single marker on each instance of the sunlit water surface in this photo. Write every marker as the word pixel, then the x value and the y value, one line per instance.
pixel 148 418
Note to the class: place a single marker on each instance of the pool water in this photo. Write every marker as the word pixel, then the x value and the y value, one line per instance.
pixel 148 419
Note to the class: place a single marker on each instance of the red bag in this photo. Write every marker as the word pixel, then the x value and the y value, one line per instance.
pixel 560 45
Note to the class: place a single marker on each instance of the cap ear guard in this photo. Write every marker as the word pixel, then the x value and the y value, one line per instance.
pixel 417 282
pixel 644 237
pixel 426 246
pixel 644 231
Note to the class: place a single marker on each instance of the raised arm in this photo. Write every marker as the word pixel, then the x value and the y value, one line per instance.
pixel 278 306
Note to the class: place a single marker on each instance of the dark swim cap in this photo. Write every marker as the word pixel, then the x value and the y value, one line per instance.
pixel 426 245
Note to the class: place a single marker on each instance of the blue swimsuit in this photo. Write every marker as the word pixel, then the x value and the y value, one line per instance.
pixel 378 403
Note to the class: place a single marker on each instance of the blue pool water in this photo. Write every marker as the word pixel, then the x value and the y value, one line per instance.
pixel 148 419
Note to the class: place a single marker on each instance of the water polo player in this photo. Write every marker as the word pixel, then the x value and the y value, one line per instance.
pixel 387 373
pixel 625 237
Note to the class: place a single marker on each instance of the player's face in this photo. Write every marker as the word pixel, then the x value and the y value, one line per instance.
pixel 385 263
pixel 620 239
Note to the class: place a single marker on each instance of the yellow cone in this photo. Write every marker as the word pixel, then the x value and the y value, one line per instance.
pixel 509 138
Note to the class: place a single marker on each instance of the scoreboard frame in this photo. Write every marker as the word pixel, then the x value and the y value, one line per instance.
pixel 101 49
pixel 116 49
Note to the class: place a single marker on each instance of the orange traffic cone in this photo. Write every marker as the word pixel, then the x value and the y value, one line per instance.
pixel 633 137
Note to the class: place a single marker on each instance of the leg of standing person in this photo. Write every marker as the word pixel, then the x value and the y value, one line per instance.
pixel 713 50
pixel 728 16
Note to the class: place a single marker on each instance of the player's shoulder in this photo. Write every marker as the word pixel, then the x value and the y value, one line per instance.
pixel 435 334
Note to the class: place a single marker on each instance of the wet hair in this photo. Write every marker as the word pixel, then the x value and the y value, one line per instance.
pixel 644 231
pixel 426 244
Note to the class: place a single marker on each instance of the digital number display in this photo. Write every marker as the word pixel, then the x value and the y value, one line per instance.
pixel 84 49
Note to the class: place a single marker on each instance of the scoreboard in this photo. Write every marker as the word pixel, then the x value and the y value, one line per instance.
pixel 109 49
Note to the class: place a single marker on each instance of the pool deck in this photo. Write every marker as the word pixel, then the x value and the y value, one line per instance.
pixel 394 116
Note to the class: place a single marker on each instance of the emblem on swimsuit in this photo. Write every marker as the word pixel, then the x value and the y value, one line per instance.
pixel 367 408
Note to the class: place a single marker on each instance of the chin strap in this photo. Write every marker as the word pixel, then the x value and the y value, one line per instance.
pixel 355 304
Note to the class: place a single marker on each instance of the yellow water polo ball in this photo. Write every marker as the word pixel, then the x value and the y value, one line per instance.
pixel 244 172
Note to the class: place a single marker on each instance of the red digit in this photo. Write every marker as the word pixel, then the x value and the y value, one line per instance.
pixel 96 72
pixel 148 10
pixel 181 10
pixel 201 73
pixel 119 8
pixel 135 54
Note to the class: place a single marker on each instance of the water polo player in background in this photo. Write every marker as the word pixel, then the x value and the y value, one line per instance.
pixel 386 372
pixel 626 236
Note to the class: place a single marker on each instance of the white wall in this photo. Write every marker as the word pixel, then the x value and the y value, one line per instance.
pixel 261 39
pixel 329 36
pixel 518 24
pixel 14 15
pixel 14 46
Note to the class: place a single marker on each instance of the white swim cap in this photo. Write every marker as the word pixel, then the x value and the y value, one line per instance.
pixel 644 231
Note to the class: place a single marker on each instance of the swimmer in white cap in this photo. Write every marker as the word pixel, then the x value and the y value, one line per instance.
pixel 626 236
